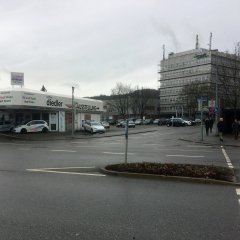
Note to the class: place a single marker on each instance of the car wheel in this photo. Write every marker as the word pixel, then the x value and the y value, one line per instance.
pixel 44 130
pixel 23 130
pixel 91 131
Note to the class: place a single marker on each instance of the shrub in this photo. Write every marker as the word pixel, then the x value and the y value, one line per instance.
pixel 170 169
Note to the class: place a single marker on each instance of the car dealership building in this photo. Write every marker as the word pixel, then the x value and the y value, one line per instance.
pixel 19 105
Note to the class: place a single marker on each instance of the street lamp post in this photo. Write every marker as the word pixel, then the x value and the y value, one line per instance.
pixel 73 120
pixel 216 100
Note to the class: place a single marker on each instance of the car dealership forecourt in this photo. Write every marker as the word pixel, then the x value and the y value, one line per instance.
pixel 19 105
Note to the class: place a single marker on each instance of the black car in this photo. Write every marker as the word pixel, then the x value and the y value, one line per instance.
pixel 162 121
pixel 176 122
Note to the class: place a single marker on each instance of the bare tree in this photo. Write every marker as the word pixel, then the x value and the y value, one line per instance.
pixel 190 93
pixel 140 99
pixel 228 72
pixel 120 99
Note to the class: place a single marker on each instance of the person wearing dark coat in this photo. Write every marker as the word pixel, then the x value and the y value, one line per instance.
pixel 207 125
pixel 220 127
pixel 235 128
pixel 211 121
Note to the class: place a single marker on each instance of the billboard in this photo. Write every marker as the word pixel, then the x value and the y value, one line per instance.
pixel 17 78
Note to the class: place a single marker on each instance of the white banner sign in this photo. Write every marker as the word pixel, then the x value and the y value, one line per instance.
pixel 17 78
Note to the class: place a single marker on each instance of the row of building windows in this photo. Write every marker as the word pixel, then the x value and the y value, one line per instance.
pixel 184 81
pixel 166 109
pixel 194 62
pixel 189 71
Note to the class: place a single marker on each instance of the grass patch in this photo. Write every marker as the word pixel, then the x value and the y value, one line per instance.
pixel 171 169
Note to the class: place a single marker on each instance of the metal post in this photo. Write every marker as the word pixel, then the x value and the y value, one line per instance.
pixel 201 120
pixel 126 137
pixel 73 120
pixel 216 100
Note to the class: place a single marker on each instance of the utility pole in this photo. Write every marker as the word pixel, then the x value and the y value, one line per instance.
pixel 73 120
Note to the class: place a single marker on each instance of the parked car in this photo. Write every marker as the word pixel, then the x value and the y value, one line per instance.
pixel 197 121
pixel 32 126
pixel 187 122
pixel 94 127
pixel 120 124
pixel 148 121
pixel 131 124
pixel 105 124
pixel 176 122
pixel 156 121
pixel 112 122
pixel 138 121
pixel 6 126
pixel 162 121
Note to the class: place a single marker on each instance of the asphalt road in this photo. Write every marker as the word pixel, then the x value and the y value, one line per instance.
pixel 41 203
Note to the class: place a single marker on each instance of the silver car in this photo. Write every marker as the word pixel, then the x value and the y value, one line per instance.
pixel 94 127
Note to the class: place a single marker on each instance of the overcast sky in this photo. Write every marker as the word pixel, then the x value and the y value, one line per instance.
pixel 93 44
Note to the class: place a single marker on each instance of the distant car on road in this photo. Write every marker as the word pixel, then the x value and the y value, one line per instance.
pixel 32 126
pixel 94 127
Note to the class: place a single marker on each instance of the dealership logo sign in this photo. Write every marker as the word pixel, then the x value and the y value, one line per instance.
pixel 86 107
pixel 54 103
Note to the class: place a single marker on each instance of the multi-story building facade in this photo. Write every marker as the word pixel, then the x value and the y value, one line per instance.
pixel 209 67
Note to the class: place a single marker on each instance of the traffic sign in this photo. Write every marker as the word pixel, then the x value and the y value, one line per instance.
pixel 202 99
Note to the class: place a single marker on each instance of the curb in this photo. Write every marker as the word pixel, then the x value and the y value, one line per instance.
pixel 75 137
pixel 171 178
pixel 208 143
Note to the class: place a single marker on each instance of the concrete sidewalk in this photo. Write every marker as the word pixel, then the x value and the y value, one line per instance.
pixel 213 139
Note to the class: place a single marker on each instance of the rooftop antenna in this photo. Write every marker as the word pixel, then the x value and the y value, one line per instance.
pixel 163 51
pixel 197 44
pixel 210 42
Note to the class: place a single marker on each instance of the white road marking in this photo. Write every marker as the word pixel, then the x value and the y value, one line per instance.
pixel 185 156
pixel 54 170
pixel 66 168
pixel 71 173
pixel 70 151
pixel 238 191
pixel 229 163
pixel 117 153
pixel 78 142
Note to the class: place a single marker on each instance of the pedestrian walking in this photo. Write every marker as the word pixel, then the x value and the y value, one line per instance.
pixel 211 121
pixel 235 128
pixel 207 125
pixel 220 127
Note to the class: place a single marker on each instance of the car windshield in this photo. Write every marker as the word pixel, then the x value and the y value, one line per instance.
pixel 95 124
